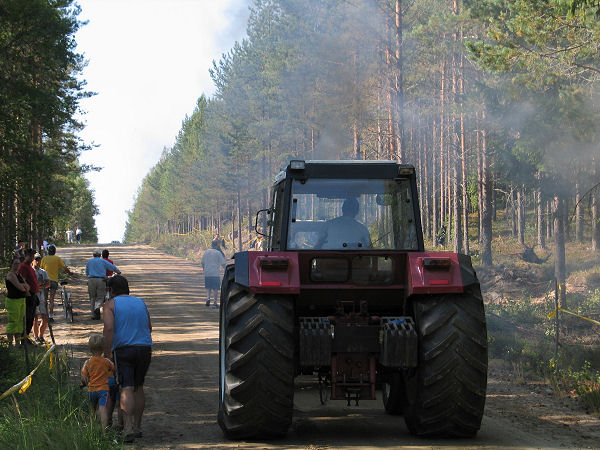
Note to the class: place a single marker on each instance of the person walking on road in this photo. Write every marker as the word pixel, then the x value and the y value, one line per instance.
pixel 128 341
pixel 212 261
pixel 220 243
pixel 78 234
pixel 95 270
pixel 95 374
pixel 105 254
pixel 51 263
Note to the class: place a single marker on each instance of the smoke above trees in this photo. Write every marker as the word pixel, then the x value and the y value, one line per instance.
pixel 494 102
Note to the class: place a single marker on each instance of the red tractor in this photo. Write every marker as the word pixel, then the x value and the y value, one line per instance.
pixel 345 290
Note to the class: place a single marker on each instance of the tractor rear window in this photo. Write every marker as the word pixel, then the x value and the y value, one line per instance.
pixel 352 214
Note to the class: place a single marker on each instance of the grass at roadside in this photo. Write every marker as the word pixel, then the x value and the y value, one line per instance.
pixel 53 413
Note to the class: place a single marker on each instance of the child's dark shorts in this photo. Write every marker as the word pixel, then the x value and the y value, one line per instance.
pixel 132 363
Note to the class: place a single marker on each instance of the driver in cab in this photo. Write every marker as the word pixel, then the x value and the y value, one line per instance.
pixel 344 232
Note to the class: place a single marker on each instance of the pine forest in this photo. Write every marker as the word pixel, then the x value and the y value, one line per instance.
pixel 43 191
pixel 494 102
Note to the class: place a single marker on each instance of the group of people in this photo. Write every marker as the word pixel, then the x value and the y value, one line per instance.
pixel 120 356
pixel 69 235
pixel 31 285
pixel 120 359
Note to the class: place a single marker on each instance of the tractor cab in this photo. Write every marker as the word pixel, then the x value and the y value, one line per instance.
pixel 344 205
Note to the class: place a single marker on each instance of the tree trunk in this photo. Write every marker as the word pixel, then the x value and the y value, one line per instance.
pixel 479 173
pixel 442 172
pixel 595 222
pixel 548 221
pixel 521 215
pixel 434 190
pixel 239 219
pixel 356 141
pixel 486 200
pixel 399 83
pixel 559 249
pixel 541 230
pixel 578 215
pixel 426 185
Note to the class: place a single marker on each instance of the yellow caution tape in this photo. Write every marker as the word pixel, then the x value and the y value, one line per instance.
pixel 552 314
pixel 24 384
pixel 52 358
pixel 194 230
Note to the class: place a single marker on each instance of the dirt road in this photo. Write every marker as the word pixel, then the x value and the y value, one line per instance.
pixel 182 381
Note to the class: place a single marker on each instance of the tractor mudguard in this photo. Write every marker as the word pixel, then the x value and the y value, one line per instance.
pixel 439 273
pixel 268 272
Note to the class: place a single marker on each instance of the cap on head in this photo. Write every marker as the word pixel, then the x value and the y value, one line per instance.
pixel 97 252
pixel 37 257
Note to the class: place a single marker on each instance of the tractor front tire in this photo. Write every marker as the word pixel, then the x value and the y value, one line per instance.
pixel 256 362
pixel 446 392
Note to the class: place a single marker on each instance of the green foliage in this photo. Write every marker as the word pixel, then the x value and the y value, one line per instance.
pixel 53 413
pixel 586 383
pixel 41 178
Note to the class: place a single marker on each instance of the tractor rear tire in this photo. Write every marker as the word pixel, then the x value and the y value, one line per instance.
pixel 393 393
pixel 256 362
pixel 446 393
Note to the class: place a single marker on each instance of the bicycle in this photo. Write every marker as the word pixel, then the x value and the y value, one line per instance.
pixel 67 304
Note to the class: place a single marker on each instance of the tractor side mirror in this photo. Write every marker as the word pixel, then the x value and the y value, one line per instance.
pixel 264 217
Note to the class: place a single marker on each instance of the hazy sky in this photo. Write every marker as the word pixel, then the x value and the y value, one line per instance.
pixel 148 62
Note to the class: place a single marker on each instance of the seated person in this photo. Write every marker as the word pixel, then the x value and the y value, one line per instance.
pixel 344 230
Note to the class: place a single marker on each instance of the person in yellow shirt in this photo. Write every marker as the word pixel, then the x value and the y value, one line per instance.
pixel 95 374
pixel 52 263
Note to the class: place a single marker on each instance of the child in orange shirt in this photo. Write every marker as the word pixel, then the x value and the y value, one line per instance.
pixel 95 374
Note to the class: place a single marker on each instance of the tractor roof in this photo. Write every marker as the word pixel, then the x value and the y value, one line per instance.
pixel 381 169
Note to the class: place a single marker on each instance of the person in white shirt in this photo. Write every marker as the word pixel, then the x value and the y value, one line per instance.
pixel 212 261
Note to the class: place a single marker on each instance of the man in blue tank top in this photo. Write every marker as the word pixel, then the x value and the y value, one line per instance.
pixel 128 342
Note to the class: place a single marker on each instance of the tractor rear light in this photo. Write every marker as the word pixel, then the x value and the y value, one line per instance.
pixel 437 264
pixel 274 264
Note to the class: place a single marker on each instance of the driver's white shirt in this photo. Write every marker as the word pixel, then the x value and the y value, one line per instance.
pixel 345 230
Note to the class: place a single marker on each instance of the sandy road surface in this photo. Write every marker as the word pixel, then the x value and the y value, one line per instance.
pixel 182 386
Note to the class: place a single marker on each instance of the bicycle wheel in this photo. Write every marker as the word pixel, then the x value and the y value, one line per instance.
pixel 66 304
pixel 62 296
